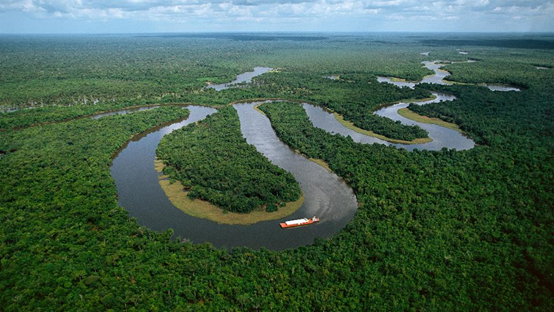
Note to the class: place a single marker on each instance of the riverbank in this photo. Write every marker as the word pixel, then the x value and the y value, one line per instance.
pixel 205 210
pixel 351 126
pixel 320 162
pixel 407 113
pixel 257 108
pixel 316 160
pixel 347 123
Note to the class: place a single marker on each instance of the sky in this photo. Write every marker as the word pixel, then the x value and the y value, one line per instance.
pixel 155 16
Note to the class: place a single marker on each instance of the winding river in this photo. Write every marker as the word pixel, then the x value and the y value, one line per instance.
pixel 326 195
pixel 439 78
pixel 242 78
pixel 441 137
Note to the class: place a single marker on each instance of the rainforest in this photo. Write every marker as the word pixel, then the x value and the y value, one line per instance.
pixel 428 158
pixel 215 160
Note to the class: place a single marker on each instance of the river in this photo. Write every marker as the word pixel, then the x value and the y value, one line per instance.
pixel 439 78
pixel 242 78
pixel 327 196
pixel 442 137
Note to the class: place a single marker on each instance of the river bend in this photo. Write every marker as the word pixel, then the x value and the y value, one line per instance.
pixel 326 195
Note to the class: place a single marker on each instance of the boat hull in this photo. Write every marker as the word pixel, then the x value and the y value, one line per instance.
pixel 310 221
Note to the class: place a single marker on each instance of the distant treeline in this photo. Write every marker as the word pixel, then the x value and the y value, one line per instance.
pixel 503 43
pixel 435 231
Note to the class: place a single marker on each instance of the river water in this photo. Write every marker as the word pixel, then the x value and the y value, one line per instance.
pixel 326 195
pixel 442 137
pixel 439 76
pixel 124 111
pixel 244 77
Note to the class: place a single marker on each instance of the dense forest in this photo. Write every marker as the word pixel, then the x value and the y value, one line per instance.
pixel 47 114
pixel 214 162
pixel 149 70
pixel 488 231
pixel 435 231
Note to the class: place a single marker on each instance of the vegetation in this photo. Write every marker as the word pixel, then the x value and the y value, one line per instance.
pixel 407 113
pixel 215 164
pixel 492 231
pixel 505 42
pixel 351 126
pixel 435 231
pixel 74 70
pixel 49 114
pixel 205 210
pixel 143 70
pixel 355 98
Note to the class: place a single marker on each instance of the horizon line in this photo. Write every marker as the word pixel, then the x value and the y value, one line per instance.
pixel 280 31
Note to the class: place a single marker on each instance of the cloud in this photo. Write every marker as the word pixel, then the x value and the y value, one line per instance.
pixel 375 12
pixel 268 2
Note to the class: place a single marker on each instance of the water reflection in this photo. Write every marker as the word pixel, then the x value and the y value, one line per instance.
pixel 396 82
pixel 503 88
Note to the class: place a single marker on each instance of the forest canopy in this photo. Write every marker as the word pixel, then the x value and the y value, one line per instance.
pixel 215 163
pixel 435 231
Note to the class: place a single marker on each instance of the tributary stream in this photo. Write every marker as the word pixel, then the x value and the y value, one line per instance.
pixel 327 196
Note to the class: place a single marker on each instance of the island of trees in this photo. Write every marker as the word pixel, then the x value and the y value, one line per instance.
pixel 215 163
pixel 435 231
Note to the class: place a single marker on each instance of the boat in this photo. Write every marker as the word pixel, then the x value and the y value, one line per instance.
pixel 299 222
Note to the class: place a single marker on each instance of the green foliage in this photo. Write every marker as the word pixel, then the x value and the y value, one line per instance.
pixel 215 163
pixel 81 71
pixel 477 213
pixel 355 96
pixel 62 233
pixel 435 231
pixel 507 119
pixel 48 114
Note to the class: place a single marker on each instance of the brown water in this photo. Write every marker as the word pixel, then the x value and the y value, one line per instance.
pixel 326 195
